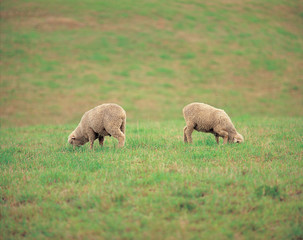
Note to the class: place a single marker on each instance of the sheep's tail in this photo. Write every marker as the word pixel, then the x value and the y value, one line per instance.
pixel 123 125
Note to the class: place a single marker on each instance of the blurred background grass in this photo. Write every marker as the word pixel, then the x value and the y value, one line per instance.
pixel 61 58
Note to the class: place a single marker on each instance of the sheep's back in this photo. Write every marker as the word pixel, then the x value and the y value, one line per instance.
pixel 203 116
pixel 97 117
pixel 197 110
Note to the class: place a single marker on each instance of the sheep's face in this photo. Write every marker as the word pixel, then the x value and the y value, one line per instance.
pixel 76 141
pixel 238 138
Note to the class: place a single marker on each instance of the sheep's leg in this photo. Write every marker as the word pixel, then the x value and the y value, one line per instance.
pixel 184 135
pixel 116 133
pixel 217 138
pixel 225 138
pixel 223 134
pixel 91 137
pixel 188 132
pixel 101 140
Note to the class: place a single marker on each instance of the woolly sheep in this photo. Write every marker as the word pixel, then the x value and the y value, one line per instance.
pixel 205 118
pixel 104 120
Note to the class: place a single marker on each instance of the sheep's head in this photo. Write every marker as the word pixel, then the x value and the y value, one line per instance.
pixel 76 140
pixel 238 138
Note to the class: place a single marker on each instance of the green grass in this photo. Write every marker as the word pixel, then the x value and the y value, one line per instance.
pixel 62 58
pixel 156 187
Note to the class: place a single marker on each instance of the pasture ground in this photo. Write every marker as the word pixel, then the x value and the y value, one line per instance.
pixel 62 58
pixel 156 187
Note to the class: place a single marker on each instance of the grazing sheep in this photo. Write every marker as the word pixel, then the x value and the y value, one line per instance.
pixel 205 118
pixel 103 120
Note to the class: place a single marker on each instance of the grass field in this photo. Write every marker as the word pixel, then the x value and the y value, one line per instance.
pixel 156 187
pixel 62 58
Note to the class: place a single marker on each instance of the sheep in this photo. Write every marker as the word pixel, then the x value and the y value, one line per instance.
pixel 205 118
pixel 104 120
